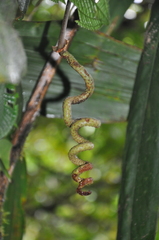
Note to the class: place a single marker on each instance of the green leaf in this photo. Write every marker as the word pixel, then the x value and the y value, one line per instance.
pixel 139 197
pixel 5 147
pixel 111 63
pixel 3 168
pixel 92 15
pixel 10 107
pixel 13 206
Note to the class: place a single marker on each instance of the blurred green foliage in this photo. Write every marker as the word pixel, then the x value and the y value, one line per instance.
pixel 53 208
pixel 44 11
pixel 132 30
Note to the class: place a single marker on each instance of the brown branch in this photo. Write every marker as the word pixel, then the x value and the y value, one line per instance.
pixel 32 111
pixel 61 41
pixel 33 108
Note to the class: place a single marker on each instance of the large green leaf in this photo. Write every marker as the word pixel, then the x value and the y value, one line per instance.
pixel 10 107
pixel 13 205
pixel 139 197
pixel 111 63
pixel 92 15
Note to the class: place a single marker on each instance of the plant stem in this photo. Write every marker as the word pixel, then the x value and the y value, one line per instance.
pixel 33 107
pixel 61 41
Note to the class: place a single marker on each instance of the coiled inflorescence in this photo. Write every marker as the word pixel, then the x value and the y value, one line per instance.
pixel 76 124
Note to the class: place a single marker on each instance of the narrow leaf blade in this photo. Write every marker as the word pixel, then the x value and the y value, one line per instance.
pixel 139 197
pixel 13 205
pixel 3 168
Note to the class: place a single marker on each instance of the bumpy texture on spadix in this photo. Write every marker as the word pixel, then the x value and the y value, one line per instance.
pixel 75 125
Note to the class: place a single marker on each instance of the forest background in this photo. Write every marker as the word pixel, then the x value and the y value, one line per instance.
pixel 52 208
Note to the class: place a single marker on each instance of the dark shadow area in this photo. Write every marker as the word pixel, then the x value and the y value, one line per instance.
pixel 47 56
